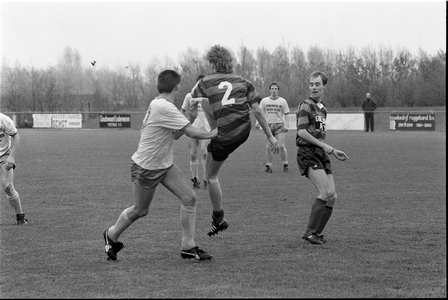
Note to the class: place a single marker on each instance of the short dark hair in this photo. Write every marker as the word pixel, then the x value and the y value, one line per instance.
pixel 221 58
pixel 167 81
pixel 200 77
pixel 276 84
pixel 321 74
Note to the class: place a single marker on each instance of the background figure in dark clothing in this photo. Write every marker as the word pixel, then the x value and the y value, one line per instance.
pixel 368 106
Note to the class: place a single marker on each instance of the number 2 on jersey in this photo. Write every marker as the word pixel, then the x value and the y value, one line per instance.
pixel 225 99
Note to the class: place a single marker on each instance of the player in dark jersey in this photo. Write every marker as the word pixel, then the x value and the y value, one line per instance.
pixel 229 100
pixel 312 156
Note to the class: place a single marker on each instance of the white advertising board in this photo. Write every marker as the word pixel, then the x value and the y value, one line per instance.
pixel 57 121
pixel 335 121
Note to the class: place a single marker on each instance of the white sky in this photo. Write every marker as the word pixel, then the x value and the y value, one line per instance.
pixel 118 33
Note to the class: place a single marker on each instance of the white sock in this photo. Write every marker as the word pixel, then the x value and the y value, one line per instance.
pixel 15 202
pixel 122 223
pixel 194 169
pixel 188 222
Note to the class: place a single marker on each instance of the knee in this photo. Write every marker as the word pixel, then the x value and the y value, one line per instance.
pixel 137 213
pixel 189 200
pixel 9 190
pixel 331 198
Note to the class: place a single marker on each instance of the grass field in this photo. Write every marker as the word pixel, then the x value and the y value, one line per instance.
pixel 386 238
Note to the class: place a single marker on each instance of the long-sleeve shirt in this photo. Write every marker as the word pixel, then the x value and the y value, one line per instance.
pixel 368 105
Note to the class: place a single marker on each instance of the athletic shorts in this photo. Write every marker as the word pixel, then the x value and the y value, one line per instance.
pixel 3 158
pixel 312 157
pixel 221 152
pixel 276 128
pixel 147 178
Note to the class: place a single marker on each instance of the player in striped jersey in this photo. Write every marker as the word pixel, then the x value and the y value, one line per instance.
pixel 9 142
pixel 229 100
pixel 312 156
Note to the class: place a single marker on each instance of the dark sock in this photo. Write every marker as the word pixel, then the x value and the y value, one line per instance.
pixel 315 215
pixel 326 214
pixel 218 215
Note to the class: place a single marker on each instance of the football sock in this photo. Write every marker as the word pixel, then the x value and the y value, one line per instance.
pixel 122 223
pixel 14 201
pixel 315 215
pixel 218 215
pixel 326 214
pixel 194 169
pixel 188 221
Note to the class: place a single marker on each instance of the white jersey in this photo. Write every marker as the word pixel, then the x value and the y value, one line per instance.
pixel 201 119
pixel 155 148
pixel 274 110
pixel 7 129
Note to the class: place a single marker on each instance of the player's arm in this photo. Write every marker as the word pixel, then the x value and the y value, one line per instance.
pixel 264 124
pixel 286 124
pixel 10 161
pixel 195 132
pixel 304 134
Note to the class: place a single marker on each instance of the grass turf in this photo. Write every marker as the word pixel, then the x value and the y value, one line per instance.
pixel 386 237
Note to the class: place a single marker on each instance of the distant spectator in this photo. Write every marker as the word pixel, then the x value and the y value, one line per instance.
pixel 368 106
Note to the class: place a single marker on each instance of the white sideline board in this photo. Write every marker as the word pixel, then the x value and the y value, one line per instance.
pixel 335 121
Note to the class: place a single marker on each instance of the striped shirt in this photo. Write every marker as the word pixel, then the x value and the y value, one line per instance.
pixel 312 118
pixel 230 97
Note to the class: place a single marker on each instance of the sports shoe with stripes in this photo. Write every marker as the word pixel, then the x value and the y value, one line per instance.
pixel 111 247
pixel 313 238
pixel 196 183
pixel 217 227
pixel 21 219
pixel 195 253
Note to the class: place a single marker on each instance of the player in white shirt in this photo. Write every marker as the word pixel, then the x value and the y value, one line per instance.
pixel 9 143
pixel 152 164
pixel 194 106
pixel 275 109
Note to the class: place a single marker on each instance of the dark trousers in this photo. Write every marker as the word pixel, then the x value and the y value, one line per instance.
pixel 368 116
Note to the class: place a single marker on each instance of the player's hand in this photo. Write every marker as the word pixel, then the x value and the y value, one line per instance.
pixel 274 145
pixel 9 164
pixel 285 129
pixel 214 132
pixel 340 155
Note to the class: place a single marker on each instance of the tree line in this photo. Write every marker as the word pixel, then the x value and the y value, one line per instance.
pixel 394 78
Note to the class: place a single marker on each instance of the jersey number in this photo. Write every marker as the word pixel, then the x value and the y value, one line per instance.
pixel 225 99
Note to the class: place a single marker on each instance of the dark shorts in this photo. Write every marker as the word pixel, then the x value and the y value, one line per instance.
pixel 312 157
pixel 147 178
pixel 221 152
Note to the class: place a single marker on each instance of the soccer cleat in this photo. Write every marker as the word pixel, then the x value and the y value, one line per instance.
pixel 268 169
pixel 195 253
pixel 196 183
pixel 285 168
pixel 205 184
pixel 21 219
pixel 217 227
pixel 313 238
pixel 111 247
pixel 321 236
